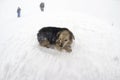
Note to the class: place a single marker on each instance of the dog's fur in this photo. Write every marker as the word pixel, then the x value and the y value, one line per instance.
pixel 61 38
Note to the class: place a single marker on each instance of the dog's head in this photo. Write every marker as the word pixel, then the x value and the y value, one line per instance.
pixel 65 37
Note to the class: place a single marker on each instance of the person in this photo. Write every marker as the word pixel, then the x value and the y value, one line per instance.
pixel 42 5
pixel 18 12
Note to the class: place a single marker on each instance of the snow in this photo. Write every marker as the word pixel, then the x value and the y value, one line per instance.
pixel 95 52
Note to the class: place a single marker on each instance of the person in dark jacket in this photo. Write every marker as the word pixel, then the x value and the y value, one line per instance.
pixel 42 5
pixel 18 12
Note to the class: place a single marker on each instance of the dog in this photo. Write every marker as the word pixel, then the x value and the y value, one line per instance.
pixel 60 38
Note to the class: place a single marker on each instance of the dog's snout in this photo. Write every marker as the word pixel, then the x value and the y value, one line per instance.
pixel 61 45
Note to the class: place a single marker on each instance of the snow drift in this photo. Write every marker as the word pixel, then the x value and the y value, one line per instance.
pixel 95 54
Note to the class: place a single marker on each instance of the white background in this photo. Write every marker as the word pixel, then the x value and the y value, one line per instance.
pixel 95 52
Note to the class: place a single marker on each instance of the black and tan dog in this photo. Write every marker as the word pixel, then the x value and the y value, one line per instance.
pixel 61 38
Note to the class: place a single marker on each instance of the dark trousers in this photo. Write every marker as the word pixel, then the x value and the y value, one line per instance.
pixel 18 14
pixel 42 9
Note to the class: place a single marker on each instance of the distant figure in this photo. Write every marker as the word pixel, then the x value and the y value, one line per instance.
pixel 18 12
pixel 42 5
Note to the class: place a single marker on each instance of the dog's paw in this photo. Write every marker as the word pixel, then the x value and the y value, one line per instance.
pixel 58 48
pixel 68 49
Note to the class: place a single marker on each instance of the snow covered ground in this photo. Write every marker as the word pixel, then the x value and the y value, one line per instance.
pixel 96 49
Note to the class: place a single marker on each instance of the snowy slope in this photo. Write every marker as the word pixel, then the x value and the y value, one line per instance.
pixel 96 49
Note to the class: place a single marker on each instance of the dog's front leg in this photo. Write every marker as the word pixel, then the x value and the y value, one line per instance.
pixel 58 47
pixel 68 48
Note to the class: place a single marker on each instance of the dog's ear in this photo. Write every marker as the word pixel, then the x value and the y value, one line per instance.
pixel 58 34
pixel 71 35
